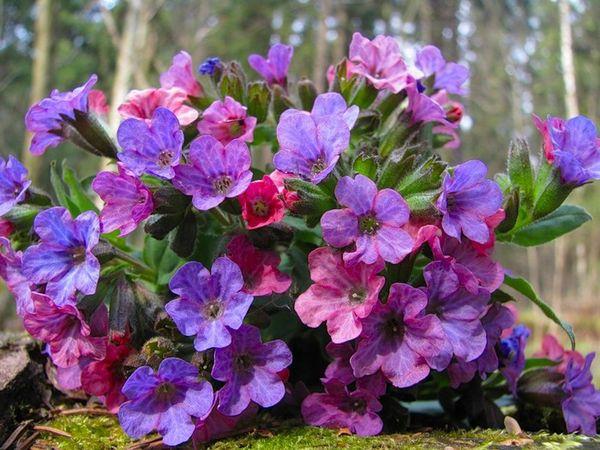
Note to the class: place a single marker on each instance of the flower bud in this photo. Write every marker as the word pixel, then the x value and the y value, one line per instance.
pixel 454 112
pixel 511 209
pixel 541 387
pixel 549 190
pixel 259 98
pixel 281 101
pixel 233 82
pixel 157 349
pixel 313 199
pixel 87 132
pixel 307 91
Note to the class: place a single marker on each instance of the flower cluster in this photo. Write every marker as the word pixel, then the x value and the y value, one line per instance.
pixel 354 243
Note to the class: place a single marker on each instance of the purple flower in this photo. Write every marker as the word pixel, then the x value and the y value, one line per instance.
pixel 11 271
pixel 338 408
pixel 459 310
pixel 181 75
pixel 497 319
pixel 217 426
pixel 447 75
pixel 401 340
pixel 165 400
pixel 13 183
pixel 45 119
pixel 576 150
pixel 214 172
pixel 512 355
pixel 467 199
pixel 379 61
pixel 422 108
pixel 311 143
pixel 249 369
pixel 209 65
pixel 371 219
pixel 274 69
pixel 209 304
pixel 153 148
pixel 581 406
pixel 63 259
pixel 127 201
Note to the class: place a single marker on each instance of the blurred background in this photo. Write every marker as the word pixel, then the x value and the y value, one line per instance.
pixel 525 56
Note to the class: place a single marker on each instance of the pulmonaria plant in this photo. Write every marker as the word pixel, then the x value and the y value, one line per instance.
pixel 247 239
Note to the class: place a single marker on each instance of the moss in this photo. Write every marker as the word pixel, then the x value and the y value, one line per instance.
pixel 102 432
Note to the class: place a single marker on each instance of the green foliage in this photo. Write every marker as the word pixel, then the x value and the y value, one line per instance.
pixel 159 257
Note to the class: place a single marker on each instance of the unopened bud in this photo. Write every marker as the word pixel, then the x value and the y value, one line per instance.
pixel 307 91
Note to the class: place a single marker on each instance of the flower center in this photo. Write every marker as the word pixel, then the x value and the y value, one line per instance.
pixel 236 129
pixel 242 362
pixel 78 254
pixel 260 208
pixel 359 405
pixel 165 390
pixel 222 184
pixel 393 328
pixel 165 157
pixel 318 166
pixel 213 309
pixel 368 224
pixel 357 295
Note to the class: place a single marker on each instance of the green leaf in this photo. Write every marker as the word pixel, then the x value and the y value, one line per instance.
pixel 532 363
pixel 60 191
pixel 523 286
pixel 159 256
pixel 519 168
pixel 559 222
pixel 77 194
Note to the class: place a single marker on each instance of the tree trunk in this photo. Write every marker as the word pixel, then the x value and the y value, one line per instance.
pixel 320 65
pixel 39 77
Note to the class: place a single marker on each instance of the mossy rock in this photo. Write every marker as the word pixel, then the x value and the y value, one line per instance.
pixel 103 432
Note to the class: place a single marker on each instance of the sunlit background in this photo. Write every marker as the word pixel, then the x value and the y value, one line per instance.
pixel 525 56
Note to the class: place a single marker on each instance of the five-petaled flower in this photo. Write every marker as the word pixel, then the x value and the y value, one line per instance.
pixel 227 120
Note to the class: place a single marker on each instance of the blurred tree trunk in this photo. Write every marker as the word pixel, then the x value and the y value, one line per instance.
pixel 320 65
pixel 39 77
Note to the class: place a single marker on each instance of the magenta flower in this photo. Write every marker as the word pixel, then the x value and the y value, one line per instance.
pixel 576 150
pixel 371 219
pixel 467 199
pixel 401 339
pixel 97 103
pixel 552 349
pixel 581 405
pixel 227 120
pixel 181 75
pixel 127 201
pixel 142 104
pixel 459 310
pixel 210 304
pixel 338 408
pixel 249 369
pixel 422 108
pixel 64 329
pixel 259 267
pixel 11 271
pixel 274 68
pixel 310 144
pixel 13 183
pixel 511 350
pixel 63 259
pixel 341 295
pixel 165 401
pixel 449 76
pixel 379 61
pixel 153 148
pixel 215 425
pixel 544 127
pixel 215 172
pixel 45 119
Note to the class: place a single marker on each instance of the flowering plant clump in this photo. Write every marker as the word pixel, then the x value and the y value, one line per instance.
pixel 262 245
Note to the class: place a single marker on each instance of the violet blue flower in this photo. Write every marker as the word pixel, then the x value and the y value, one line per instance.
pixel 63 259
pixel 127 201
pixel 13 183
pixel 459 310
pixel 153 148
pixel 215 172
pixel 11 271
pixel 165 400
pixel 64 329
pixel 338 408
pixel 274 68
pixel 511 350
pixel 181 75
pixel 209 65
pixel 401 339
pixel 379 61
pixel 371 219
pixel 310 144
pixel 576 150
pixel 210 304
pixel 467 199
pixel 45 119
pixel 422 108
pixel 341 295
pixel 449 76
pixel 142 104
pixel 227 120
pixel 250 369
pixel 581 405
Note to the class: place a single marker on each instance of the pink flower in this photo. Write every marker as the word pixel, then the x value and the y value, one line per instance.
pixel 11 272
pixel 379 61
pixel 543 127
pixel 288 197
pixel 97 102
pixel 259 267
pixel 341 295
pixel 141 104
pixel 6 228
pixel 553 350
pixel 181 75
pixel 64 329
pixel 227 120
pixel 261 204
